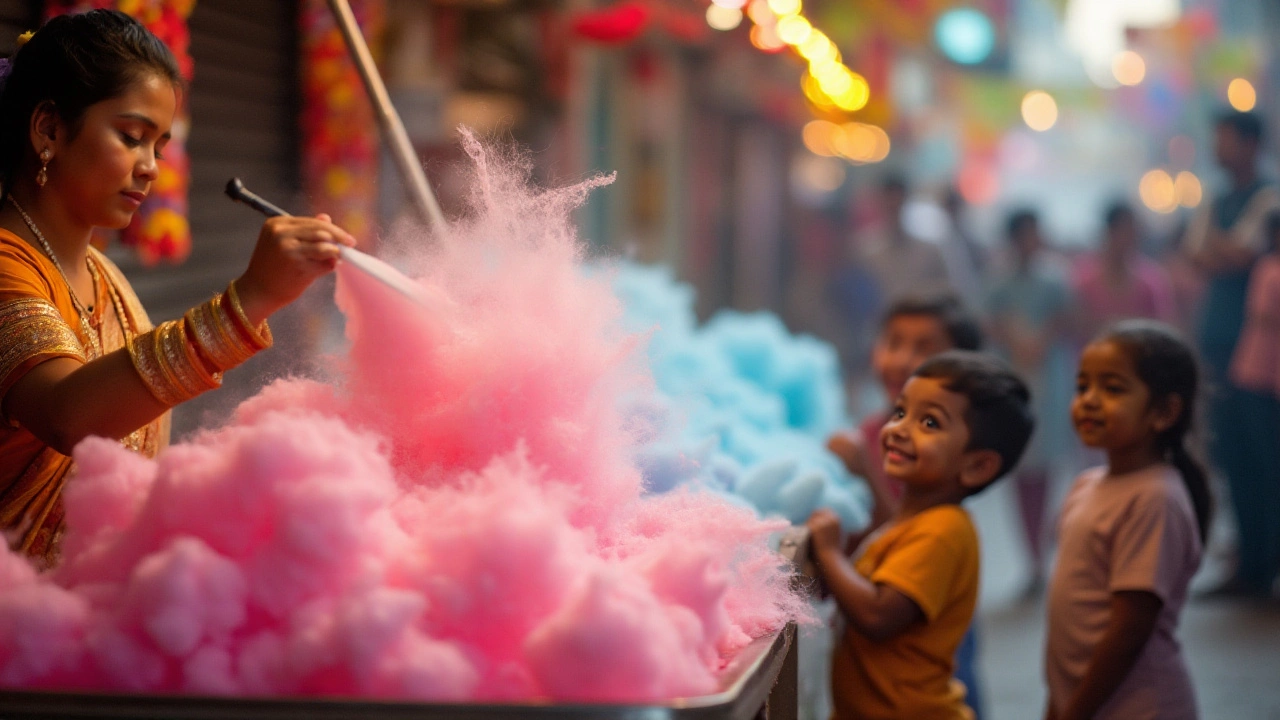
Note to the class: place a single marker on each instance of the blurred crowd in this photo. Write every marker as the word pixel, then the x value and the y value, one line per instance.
pixel 1216 279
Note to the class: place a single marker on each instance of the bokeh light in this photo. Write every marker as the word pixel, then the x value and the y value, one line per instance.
pixel 1187 189
pixel 1129 68
pixel 794 29
pixel 720 17
pixel 737 4
pixel 818 48
pixel 1241 95
pixel 765 38
pixel 1039 110
pixel 783 8
pixel 817 176
pixel 965 36
pixel 1158 191
pixel 855 98
pixel 759 12
pixel 820 137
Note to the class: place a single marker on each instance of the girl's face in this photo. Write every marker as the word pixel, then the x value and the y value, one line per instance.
pixel 1113 408
pixel 104 172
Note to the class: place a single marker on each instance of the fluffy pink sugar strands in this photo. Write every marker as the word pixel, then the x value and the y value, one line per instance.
pixel 456 517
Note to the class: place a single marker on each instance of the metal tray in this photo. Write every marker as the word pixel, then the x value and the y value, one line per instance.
pixel 745 689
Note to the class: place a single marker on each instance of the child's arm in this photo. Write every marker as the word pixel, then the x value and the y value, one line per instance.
pixel 1133 619
pixel 877 611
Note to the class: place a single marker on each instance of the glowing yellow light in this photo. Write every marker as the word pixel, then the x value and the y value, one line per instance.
pixel 835 79
pixel 817 47
pixel 1186 187
pixel 720 17
pixel 1158 192
pixel 820 137
pixel 1039 110
pixel 813 91
pixel 766 38
pixel 794 29
pixel 1241 95
pixel 759 12
pixel 1129 68
pixel 856 97
pixel 785 7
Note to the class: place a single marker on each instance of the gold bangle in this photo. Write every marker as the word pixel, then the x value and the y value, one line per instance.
pixel 260 335
pixel 169 365
pixel 143 351
pixel 217 339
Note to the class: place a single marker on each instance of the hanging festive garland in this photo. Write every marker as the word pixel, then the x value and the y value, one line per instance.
pixel 159 231
pixel 340 137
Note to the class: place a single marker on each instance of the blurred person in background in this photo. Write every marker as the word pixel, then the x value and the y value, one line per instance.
pixel 1029 315
pixel 1224 240
pixel 901 263
pixel 1118 282
pixel 965 258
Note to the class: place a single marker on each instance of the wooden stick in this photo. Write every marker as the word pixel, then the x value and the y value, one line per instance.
pixel 402 151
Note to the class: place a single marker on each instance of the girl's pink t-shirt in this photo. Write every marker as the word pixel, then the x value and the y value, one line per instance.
pixel 1256 362
pixel 1135 531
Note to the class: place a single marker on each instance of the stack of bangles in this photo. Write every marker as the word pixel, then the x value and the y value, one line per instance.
pixel 174 360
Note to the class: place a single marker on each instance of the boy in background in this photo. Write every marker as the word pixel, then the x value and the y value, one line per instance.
pixel 961 421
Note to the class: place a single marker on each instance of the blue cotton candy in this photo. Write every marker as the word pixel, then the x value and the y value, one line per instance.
pixel 748 405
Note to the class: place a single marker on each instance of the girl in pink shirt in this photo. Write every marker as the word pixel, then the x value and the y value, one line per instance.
pixel 1130 534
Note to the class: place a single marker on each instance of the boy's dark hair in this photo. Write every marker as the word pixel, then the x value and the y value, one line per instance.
pixel 961 327
pixel 75 61
pixel 1117 211
pixel 1019 220
pixel 999 415
pixel 1247 125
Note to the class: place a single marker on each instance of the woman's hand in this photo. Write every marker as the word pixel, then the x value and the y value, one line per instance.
pixel 291 253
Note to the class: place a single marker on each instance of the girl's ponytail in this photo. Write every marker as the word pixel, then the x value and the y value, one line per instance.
pixel 1197 482
pixel 1167 366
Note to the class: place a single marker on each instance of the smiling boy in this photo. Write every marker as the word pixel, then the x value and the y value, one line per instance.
pixel 908 595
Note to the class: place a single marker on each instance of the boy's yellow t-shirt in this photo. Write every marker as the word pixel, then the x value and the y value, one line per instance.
pixel 931 558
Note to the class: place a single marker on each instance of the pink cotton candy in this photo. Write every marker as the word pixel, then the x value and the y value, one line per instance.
pixel 455 515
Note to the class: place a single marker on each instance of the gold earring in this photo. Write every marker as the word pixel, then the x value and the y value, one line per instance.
pixel 42 177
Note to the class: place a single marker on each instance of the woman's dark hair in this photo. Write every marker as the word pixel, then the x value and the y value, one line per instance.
pixel 964 331
pixel 1247 125
pixel 75 61
pixel 1167 366
pixel 999 415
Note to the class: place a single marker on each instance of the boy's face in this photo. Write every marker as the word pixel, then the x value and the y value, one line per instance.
pixel 905 343
pixel 925 440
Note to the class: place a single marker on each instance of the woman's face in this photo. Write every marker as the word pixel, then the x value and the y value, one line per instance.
pixel 103 172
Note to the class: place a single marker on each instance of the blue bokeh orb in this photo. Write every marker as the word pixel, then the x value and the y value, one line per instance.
pixel 965 36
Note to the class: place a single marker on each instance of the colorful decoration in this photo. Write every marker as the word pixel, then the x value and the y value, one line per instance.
pixel 339 132
pixel 159 231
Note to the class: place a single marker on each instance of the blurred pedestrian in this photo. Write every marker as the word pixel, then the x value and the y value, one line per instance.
pixel 901 263
pixel 1225 240
pixel 964 256
pixel 1030 322
pixel 1118 282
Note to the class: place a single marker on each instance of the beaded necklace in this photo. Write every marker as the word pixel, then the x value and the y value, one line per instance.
pixel 95 342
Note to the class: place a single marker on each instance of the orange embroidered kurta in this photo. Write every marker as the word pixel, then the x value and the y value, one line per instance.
pixel 39 322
